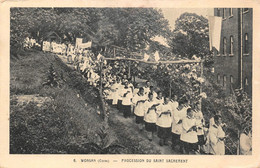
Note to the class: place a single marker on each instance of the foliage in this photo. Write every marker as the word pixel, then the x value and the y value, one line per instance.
pixel 190 36
pixel 131 28
pixel 52 79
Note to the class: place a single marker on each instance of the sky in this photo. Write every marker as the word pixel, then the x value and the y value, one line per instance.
pixel 173 13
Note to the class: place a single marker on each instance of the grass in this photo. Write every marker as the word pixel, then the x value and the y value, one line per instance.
pixel 69 124
pixel 61 126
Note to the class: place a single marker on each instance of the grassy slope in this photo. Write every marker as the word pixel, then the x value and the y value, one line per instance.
pixel 67 123
pixel 57 127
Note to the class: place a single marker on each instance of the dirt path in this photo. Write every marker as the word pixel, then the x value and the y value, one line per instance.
pixel 128 133
pixel 131 130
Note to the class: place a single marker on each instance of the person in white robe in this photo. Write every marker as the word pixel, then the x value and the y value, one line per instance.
pixel 120 93
pixel 198 115
pixel 217 138
pixel 173 102
pixel 127 96
pixel 164 121
pixel 189 135
pixel 138 103
pixel 115 91
pixel 136 88
pixel 150 116
pixel 179 114
pixel 147 88
pixel 159 99
pixel 245 142
pixel 153 92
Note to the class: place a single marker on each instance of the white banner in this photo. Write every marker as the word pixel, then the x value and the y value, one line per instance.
pixel 85 45
pixel 156 56
pixel 214 32
pixel 78 42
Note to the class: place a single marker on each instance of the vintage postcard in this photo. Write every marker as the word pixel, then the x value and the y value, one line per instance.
pixel 129 84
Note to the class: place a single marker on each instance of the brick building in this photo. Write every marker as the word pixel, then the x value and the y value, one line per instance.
pixel 233 62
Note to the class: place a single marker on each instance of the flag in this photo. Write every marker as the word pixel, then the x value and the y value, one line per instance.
pixel 86 45
pixel 99 56
pixel 156 56
pixel 146 57
pixel 214 32
pixel 78 42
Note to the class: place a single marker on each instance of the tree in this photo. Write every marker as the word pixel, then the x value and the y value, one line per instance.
pixel 130 28
pixel 190 36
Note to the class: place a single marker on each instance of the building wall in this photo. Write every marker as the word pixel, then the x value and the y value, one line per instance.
pixel 229 64
pixel 247 58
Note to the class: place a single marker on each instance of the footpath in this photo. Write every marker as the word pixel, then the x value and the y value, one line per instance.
pixel 128 133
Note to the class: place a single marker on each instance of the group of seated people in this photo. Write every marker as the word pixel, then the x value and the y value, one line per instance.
pixel 169 118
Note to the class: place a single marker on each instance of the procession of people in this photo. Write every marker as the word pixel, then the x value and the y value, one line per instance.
pixel 172 119
pixel 168 118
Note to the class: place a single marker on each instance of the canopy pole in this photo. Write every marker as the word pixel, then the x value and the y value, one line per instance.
pixel 102 110
pixel 170 91
pixel 201 74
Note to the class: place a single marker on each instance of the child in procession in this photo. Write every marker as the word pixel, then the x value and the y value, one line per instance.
pixel 159 98
pixel 174 103
pixel 153 92
pixel 127 96
pixel 120 95
pixel 115 91
pixel 164 121
pixel 200 124
pixel 136 88
pixel 147 88
pixel 189 135
pixel 150 116
pixel 138 102
pixel 178 114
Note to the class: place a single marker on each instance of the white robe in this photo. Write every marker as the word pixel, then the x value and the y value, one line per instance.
pixel 127 99
pixel 150 115
pixel 165 120
pixel 174 104
pixel 216 146
pixel 189 136
pixel 177 116
pixel 138 108
pixel 199 116
pixel 245 144
pixel 114 89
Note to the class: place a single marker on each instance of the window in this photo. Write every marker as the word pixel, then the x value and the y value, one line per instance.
pixel 217 53
pixel 246 82
pixel 230 12
pixel 224 46
pixel 245 10
pixel 231 79
pixel 218 12
pixel 224 15
pixel 218 78
pixel 231 49
pixel 224 81
pixel 246 50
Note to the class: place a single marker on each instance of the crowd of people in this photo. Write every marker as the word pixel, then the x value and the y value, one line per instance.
pixel 168 117
pixel 174 117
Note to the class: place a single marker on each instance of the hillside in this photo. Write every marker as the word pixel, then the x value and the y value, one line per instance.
pixel 65 119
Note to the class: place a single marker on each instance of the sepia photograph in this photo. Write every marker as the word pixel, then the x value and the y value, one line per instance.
pixel 170 81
